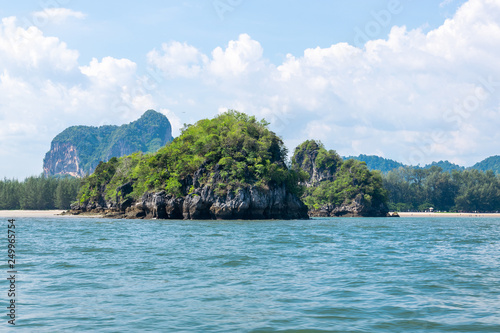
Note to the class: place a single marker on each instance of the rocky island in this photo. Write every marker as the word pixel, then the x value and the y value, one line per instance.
pixel 338 188
pixel 229 167
pixel 232 167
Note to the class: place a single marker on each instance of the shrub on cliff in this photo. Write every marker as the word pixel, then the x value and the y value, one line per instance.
pixel 318 163
pixel 333 182
pixel 228 152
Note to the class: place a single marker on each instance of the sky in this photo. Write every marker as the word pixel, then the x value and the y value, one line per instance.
pixel 413 81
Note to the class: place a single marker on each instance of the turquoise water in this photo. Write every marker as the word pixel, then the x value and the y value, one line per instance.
pixel 322 275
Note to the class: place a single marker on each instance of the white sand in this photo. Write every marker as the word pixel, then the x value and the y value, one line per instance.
pixel 449 214
pixel 37 213
pixel 55 213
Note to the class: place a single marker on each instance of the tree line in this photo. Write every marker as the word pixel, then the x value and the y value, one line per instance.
pixel 38 192
pixel 409 189
pixel 417 189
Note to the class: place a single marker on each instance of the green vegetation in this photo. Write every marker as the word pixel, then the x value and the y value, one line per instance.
pixel 95 144
pixel 385 165
pixel 312 157
pixel 234 151
pixel 228 152
pixel 415 189
pixel 445 166
pixel 38 193
pixel 333 181
pixel 443 186
pixel 376 162
pixel 352 178
pixel 491 163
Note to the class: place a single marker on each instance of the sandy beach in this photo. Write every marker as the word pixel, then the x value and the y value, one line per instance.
pixel 37 213
pixel 56 213
pixel 410 214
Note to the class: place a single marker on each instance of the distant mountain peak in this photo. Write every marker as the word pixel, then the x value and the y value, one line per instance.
pixel 374 162
pixel 385 165
pixel 151 114
pixel 77 150
pixel 490 163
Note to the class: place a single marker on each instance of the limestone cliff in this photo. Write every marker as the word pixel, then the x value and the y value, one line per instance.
pixel 63 160
pixel 320 164
pixel 336 187
pixel 78 150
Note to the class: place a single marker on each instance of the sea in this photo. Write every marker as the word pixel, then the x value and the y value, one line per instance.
pixel 320 275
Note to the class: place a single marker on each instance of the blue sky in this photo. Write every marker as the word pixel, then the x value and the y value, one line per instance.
pixel 409 80
pixel 130 29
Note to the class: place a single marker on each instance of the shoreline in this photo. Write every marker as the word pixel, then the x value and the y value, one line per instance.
pixel 421 214
pixel 56 213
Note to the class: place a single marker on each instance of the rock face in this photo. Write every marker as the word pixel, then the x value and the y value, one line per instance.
pixel 356 191
pixel 319 169
pixel 203 203
pixel 78 150
pixel 357 208
pixel 62 160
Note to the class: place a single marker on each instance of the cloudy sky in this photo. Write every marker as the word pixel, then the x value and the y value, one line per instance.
pixel 414 81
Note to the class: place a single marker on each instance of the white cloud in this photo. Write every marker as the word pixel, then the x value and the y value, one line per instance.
pixel 30 49
pixel 110 71
pixel 55 15
pixel 240 57
pixel 414 97
pixel 175 121
pixel 318 130
pixel 445 3
pixel 368 100
pixel 178 59
pixel 44 91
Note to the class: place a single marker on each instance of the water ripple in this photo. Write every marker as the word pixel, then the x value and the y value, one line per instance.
pixel 322 275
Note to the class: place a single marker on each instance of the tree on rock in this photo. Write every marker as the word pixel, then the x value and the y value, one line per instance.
pixel 337 188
